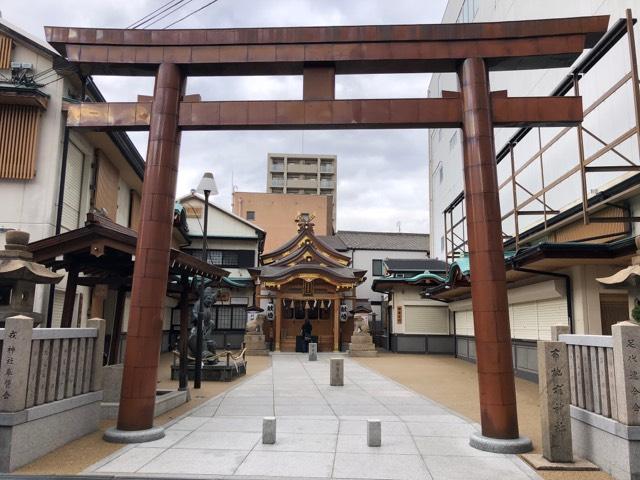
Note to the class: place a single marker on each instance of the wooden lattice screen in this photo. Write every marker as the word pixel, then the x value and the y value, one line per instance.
pixel 18 134
pixel 5 52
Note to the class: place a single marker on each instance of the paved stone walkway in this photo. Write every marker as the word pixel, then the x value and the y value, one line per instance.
pixel 321 433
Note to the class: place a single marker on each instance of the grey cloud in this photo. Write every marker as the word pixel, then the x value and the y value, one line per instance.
pixel 382 174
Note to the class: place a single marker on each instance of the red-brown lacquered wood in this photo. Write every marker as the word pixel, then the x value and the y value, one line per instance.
pixel 592 26
pixel 144 335
pixel 488 287
pixel 333 114
pixel 319 83
pixel 530 44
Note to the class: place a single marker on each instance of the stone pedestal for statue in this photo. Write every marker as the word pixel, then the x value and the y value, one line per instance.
pixel 255 344
pixel 362 345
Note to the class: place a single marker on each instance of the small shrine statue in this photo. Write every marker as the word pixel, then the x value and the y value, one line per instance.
pixel 360 323
pixel 208 328
pixel 255 324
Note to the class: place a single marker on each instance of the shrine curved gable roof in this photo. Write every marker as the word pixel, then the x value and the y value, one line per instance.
pixel 292 246
pixel 273 273
pixel 307 251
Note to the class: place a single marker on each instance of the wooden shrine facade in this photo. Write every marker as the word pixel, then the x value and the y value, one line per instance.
pixel 307 280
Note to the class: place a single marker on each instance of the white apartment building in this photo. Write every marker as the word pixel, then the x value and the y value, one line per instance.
pixel 561 207
pixel 51 176
pixel 303 174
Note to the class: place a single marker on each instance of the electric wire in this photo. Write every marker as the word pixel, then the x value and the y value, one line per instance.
pixel 179 6
pixel 190 14
pixel 146 18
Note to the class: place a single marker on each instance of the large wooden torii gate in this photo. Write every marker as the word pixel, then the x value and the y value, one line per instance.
pixel 318 54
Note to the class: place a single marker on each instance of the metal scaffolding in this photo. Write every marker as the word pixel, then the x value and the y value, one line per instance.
pixel 535 203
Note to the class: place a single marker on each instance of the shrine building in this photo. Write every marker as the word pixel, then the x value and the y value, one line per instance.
pixel 306 279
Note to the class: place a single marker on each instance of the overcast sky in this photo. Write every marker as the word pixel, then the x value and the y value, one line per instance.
pixel 382 174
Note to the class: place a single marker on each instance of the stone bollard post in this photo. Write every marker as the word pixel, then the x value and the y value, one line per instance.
pixel 269 430
pixel 14 364
pixel 557 330
pixel 337 372
pixel 313 352
pixel 374 433
pixel 626 358
pixel 555 399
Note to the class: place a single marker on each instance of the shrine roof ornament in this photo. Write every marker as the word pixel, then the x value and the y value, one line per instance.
pixel 308 258
pixel 305 241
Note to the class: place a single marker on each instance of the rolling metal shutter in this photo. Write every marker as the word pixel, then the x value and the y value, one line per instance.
pixel 107 187
pixel 426 320
pixel 528 321
pixel 72 188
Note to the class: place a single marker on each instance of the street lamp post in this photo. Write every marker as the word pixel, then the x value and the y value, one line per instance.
pixel 207 186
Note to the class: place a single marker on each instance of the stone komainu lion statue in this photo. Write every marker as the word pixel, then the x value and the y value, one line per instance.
pixel 255 325
pixel 361 323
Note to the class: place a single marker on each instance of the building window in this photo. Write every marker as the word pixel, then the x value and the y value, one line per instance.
pixel 19 131
pixel 227 258
pixel 376 268
pixel 251 215
pixel 230 317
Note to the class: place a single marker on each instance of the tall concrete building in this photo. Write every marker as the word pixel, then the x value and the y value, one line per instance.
pixel 275 213
pixel 303 174
pixel 571 191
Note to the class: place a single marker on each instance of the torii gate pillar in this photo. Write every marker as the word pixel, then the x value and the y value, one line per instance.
pixel 137 401
pixel 496 383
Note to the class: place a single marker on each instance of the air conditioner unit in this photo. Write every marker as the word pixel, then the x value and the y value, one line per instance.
pixel 21 66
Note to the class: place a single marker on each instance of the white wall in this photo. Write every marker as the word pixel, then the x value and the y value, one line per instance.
pixel 362 260
pixel 29 205
pixel 409 296
pixel 608 121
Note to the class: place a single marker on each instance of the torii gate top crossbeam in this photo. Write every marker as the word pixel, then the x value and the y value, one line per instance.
pixel 356 49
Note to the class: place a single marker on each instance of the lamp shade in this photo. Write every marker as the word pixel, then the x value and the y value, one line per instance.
pixel 208 184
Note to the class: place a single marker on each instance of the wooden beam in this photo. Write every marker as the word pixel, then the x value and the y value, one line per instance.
pixel 69 299
pixel 329 114
pixel 352 49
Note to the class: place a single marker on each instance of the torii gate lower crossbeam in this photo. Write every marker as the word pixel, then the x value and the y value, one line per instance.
pixel 318 54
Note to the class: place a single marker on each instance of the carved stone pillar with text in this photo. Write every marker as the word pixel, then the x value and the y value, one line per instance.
pixel 488 287
pixel 16 350
pixel 152 259
pixel 626 357
pixel 555 399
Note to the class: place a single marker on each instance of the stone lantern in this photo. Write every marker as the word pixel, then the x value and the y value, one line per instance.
pixel 19 276
pixel 628 278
